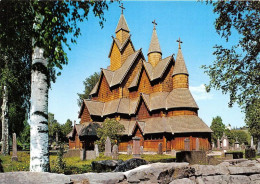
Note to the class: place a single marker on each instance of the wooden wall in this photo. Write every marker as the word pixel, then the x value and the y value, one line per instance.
pixel 122 35
pixel 180 81
pixel 85 116
pixel 154 58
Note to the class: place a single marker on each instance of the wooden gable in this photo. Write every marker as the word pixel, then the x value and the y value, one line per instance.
pixel 84 114
pixel 105 94
pixel 115 58
pixel 142 110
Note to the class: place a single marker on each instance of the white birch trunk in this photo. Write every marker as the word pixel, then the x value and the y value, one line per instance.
pixel 39 152
pixel 5 127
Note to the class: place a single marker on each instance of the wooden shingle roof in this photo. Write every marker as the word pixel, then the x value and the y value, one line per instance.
pixel 157 71
pixel 122 25
pixel 180 97
pixel 180 66
pixel 154 44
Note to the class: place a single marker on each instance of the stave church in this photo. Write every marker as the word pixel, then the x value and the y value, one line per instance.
pixel 150 98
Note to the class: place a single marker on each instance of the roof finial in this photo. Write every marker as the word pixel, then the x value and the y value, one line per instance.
pixel 180 42
pixel 122 8
pixel 154 24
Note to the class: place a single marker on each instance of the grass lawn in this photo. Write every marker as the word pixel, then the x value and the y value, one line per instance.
pixel 73 164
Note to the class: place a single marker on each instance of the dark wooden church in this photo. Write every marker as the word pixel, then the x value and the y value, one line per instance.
pixel 150 98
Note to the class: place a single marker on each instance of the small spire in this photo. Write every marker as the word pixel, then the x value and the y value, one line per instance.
pixel 154 24
pixel 122 8
pixel 122 25
pixel 180 42
pixel 180 66
pixel 154 45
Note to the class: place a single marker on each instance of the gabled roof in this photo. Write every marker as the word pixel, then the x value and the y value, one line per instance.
pixel 86 129
pixel 180 66
pixel 116 77
pixel 157 71
pixel 187 123
pixel 173 124
pixel 134 83
pixel 119 45
pixel 122 25
pixel 154 45
pixel 180 97
pixel 120 73
pixel 177 98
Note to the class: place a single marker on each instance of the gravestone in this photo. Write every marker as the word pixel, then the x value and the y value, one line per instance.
pixel 225 142
pixel 237 147
pixel 141 150
pixel 243 146
pixel 115 152
pixel 129 149
pixel 160 151
pixel 14 156
pixel 83 154
pixel 218 143
pixel 258 147
pixel 252 142
pixel 108 147
pixel 173 153
pixel 213 145
pixel 96 150
pixel 136 147
pixel 187 144
pixel 90 155
pixel 197 144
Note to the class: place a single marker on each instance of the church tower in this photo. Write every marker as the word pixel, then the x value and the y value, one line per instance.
pixel 154 52
pixel 180 73
pixel 122 45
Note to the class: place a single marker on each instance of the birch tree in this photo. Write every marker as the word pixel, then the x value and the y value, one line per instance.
pixel 53 21
pixel 5 127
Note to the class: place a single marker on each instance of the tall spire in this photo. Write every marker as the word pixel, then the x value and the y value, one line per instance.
pixel 180 66
pixel 122 25
pixel 154 45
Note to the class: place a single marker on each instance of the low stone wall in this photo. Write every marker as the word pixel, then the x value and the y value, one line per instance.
pixel 72 153
pixel 232 171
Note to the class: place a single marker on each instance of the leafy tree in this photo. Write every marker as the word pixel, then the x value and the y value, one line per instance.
pixel 218 127
pixel 241 136
pixel 253 118
pixel 112 129
pixel 54 127
pixel 65 130
pixel 236 69
pixel 89 84
pixel 48 25
pixel 24 137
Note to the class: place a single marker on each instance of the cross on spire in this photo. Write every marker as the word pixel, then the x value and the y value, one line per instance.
pixel 180 42
pixel 154 24
pixel 122 8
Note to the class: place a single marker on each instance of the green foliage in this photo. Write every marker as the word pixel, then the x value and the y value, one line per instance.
pixel 65 130
pixel 241 136
pixel 89 84
pixel 112 129
pixel 218 127
pixel 24 138
pixel 73 164
pixel 60 164
pixel 236 69
pixel 253 118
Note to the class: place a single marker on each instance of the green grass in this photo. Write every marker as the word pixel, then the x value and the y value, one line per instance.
pixel 73 164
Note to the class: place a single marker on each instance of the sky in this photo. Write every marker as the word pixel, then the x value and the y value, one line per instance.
pixel 192 21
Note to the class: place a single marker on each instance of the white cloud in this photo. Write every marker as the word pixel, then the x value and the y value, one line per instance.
pixel 199 93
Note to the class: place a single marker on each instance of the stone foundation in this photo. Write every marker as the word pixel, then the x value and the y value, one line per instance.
pixel 233 171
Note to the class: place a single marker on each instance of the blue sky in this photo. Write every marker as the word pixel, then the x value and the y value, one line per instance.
pixel 192 21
